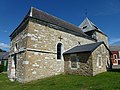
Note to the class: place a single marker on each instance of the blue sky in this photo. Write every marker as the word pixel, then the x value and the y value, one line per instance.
pixel 104 13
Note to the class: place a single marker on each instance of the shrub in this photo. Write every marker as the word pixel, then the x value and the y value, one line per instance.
pixel 1 68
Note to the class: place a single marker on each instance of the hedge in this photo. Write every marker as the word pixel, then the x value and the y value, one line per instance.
pixel 1 68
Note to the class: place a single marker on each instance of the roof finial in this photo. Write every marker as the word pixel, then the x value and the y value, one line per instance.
pixel 86 12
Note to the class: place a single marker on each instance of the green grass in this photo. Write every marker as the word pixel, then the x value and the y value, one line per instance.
pixel 103 81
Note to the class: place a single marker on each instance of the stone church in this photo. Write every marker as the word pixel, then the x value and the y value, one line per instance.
pixel 44 45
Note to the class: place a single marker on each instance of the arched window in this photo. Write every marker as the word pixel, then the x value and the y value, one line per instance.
pixel 115 56
pixel 59 50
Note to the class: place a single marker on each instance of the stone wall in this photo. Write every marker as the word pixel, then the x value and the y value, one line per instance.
pixel 87 64
pixel 101 37
pixel 20 39
pixel 37 48
pixel 40 65
pixel 104 53
pixel 20 66
pixel 45 38
pixel 17 51
pixel 84 64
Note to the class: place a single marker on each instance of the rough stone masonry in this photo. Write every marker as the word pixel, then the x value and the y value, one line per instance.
pixel 33 47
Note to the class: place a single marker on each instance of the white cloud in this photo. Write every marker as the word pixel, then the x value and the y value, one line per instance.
pixel 113 41
pixel 4 46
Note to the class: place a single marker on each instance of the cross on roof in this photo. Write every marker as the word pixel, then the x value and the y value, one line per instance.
pixel 60 38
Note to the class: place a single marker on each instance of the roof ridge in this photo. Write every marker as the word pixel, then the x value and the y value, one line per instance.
pixel 54 17
pixel 46 17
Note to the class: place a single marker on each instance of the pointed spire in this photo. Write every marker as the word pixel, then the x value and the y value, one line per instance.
pixel 87 25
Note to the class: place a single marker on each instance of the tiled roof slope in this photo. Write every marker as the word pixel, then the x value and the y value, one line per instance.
pixel 85 48
pixel 4 55
pixel 43 16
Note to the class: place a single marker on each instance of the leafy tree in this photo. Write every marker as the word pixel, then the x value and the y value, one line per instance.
pixel 2 50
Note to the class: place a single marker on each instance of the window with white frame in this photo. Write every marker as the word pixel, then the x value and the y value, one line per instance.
pixel 115 56
pixel 74 61
pixel 99 61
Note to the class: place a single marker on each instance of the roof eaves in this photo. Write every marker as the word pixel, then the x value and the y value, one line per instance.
pixel 76 52
pixel 29 14
pixel 19 25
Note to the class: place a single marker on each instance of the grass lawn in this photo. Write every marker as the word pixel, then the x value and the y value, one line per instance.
pixel 103 81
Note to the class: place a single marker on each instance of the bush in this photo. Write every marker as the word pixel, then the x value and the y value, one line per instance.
pixel 1 68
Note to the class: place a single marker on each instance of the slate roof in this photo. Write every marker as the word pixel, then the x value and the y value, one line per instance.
pixel 43 16
pixel 4 55
pixel 85 48
pixel 87 26
pixel 114 47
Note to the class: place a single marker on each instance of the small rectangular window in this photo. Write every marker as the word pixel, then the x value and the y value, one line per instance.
pixel 99 61
pixel 74 61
